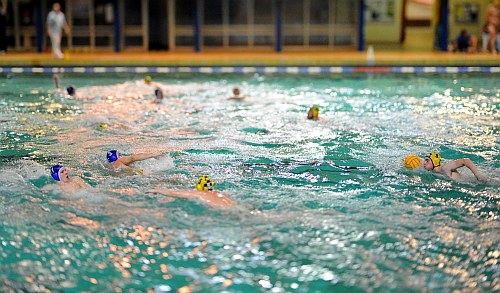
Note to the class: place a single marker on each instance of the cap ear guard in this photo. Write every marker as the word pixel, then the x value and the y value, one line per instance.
pixel 435 158
pixel 55 171
pixel 204 183
pixel 112 156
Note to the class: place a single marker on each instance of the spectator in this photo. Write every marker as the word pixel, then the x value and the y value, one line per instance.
pixel 490 30
pixel 56 22
pixel 465 42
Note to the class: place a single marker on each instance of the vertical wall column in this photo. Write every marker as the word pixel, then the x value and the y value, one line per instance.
pixel 145 25
pixel 69 18
pixel 171 24
pixel 443 38
pixel 116 25
pixel 225 23
pixel 279 26
pixel 92 31
pixel 251 23
pixel 17 30
pixel 361 26
pixel 306 14
pixel 331 23
pixel 197 23
pixel 39 26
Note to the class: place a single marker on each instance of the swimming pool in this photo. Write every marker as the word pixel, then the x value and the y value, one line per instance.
pixel 323 206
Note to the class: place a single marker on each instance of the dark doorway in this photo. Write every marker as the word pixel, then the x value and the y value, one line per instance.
pixel 158 28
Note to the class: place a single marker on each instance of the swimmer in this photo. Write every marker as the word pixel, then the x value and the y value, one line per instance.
pixel 205 192
pixel 432 162
pixel 158 96
pixel 236 95
pixel 149 81
pixel 61 176
pixel 123 162
pixel 71 90
pixel 113 125
pixel 313 113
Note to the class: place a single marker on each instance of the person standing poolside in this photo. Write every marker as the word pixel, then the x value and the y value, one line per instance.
pixel 120 162
pixel 56 22
pixel 205 192
pixel 61 176
pixel 432 162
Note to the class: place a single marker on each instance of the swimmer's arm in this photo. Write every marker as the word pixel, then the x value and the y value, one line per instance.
pixel 452 166
pixel 172 192
pixel 56 81
pixel 121 125
pixel 66 27
pixel 127 160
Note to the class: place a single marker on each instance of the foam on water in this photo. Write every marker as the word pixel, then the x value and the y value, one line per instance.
pixel 321 205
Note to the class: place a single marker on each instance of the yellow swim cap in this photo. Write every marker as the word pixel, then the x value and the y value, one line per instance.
pixel 139 172
pixel 103 125
pixel 313 112
pixel 435 158
pixel 204 183
pixel 147 79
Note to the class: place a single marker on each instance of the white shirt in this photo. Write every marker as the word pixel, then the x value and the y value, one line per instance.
pixel 56 21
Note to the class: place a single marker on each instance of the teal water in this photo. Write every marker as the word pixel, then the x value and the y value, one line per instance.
pixel 323 206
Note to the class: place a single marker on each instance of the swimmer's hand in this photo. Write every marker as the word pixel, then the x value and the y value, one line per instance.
pixel 56 81
pixel 481 178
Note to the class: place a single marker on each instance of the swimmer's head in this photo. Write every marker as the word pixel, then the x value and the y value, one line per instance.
pixel 112 156
pixel 236 91
pixel 313 112
pixel 103 125
pixel 204 183
pixel 55 171
pixel 159 93
pixel 432 161
pixel 71 90
pixel 147 79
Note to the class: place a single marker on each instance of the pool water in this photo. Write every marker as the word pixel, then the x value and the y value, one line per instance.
pixel 322 206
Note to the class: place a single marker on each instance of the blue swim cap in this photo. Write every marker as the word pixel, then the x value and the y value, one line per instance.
pixel 54 171
pixel 112 156
pixel 71 90
pixel 159 93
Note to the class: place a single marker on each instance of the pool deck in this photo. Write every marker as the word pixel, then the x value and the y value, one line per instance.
pixel 248 58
